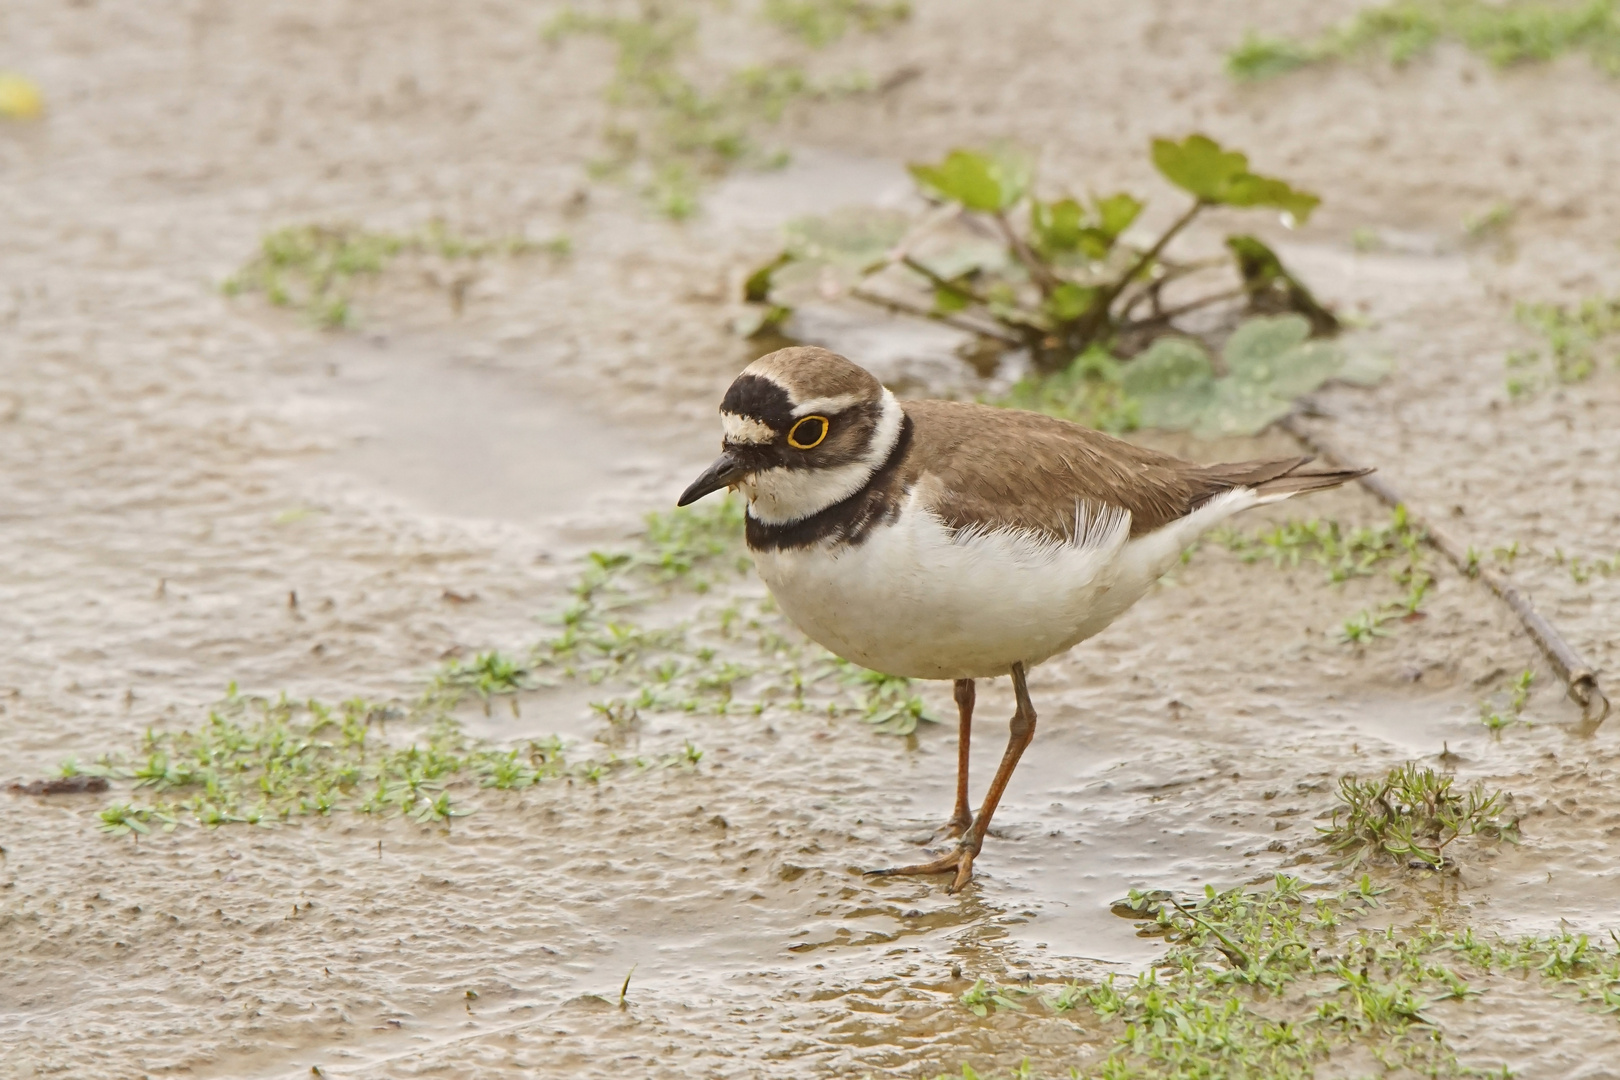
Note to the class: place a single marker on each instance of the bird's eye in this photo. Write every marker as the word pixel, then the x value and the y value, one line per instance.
pixel 808 432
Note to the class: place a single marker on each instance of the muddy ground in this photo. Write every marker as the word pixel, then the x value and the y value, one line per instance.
pixel 175 463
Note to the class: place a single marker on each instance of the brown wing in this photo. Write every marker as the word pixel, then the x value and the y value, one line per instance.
pixel 1004 468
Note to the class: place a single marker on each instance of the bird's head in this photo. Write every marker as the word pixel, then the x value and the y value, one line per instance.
pixel 803 429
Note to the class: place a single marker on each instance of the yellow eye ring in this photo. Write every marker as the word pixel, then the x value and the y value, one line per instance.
pixel 794 439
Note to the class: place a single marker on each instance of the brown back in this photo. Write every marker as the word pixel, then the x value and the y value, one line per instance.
pixel 984 467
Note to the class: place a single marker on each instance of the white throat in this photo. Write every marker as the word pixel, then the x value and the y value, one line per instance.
pixel 782 496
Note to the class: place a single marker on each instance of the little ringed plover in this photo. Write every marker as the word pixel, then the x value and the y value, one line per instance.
pixel 952 540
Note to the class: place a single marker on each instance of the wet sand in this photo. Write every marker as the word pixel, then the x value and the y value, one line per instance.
pixel 177 463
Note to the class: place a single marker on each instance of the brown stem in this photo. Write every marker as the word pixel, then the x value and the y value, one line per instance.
pixel 1112 292
pixel 1045 279
pixel 907 308
pixel 940 283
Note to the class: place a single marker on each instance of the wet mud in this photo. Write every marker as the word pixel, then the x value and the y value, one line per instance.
pixel 177 464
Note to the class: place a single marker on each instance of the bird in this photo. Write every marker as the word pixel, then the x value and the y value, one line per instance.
pixel 952 540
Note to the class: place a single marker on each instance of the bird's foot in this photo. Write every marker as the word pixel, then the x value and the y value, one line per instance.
pixel 959 859
pixel 956 827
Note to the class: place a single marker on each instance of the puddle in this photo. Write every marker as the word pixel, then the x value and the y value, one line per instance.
pixel 468 439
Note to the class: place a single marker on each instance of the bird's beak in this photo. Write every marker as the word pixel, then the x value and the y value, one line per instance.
pixel 726 470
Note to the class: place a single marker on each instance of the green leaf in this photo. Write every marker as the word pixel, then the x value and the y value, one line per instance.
pixel 1258 343
pixel 1056 225
pixel 1239 407
pixel 947 301
pixel 1252 190
pixel 757 289
pixel 1172 383
pixel 1271 287
pixel 1069 301
pixel 1200 166
pixel 978 181
pixel 1116 212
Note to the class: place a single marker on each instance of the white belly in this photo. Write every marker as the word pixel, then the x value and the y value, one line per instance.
pixel 914 600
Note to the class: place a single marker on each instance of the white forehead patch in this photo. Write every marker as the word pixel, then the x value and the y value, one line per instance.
pixel 822 405
pixel 745 429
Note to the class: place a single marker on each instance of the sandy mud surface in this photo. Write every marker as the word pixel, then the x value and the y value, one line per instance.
pixel 176 466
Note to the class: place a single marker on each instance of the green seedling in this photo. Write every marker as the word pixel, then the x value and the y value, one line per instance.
pixel 1496 716
pixel 1505 33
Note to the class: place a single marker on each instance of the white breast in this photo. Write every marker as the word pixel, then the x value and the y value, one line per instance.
pixel 918 600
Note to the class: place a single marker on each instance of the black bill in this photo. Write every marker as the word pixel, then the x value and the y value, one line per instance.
pixel 726 470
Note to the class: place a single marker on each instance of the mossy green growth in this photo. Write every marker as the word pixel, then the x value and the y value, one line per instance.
pixel 314 267
pixel 1293 979
pixel 1505 33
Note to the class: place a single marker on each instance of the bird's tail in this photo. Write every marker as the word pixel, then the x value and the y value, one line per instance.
pixel 1279 479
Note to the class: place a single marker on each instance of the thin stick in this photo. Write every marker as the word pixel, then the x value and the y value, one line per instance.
pixel 1569 664
pixel 906 307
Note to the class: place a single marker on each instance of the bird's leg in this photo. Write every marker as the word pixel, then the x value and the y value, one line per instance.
pixel 961 859
pixel 962 817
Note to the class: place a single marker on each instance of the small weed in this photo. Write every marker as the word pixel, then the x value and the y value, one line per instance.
pixel 1497 716
pixel 1412 814
pixel 314 267
pixel 670 131
pixel 982 997
pixel 1505 33
pixel 1578 339
pixel 1345 554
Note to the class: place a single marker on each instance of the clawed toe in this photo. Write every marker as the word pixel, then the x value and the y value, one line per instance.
pixel 959 860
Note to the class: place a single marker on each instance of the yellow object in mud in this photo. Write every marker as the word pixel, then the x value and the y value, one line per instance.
pixel 20 98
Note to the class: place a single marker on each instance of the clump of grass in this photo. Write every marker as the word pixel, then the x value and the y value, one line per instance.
pixel 1505 33
pixel 1578 339
pixel 1412 814
pixel 673 131
pixel 314 267
pixel 1345 554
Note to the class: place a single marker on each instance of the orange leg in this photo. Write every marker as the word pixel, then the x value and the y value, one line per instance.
pixel 1022 732
pixel 962 817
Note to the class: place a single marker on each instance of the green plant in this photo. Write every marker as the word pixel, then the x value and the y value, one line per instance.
pixel 314 267
pixel 1413 813
pixel 1345 554
pixel 1497 716
pixel 1505 33
pixel 1578 338
pixel 670 131
pixel 1060 279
